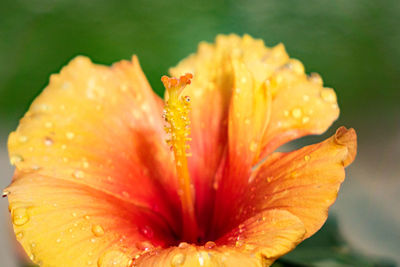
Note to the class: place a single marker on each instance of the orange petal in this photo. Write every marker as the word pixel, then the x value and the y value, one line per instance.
pixel 304 182
pixel 212 86
pixel 99 128
pixel 256 242
pixel 300 106
pixel 62 223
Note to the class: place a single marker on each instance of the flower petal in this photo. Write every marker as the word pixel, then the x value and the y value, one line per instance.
pixel 304 182
pixel 98 127
pixel 247 100
pixel 256 242
pixel 214 67
pixel 62 223
pixel 300 106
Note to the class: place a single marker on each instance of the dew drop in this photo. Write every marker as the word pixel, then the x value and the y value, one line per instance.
pixel 305 120
pixel 178 259
pixel 78 174
pixel 19 235
pixel 209 245
pixel 315 78
pixel 125 194
pixel 296 113
pixel 145 246
pixel 113 258
pixel 20 216
pixel 247 121
pixel 286 113
pixel 14 159
pixel 23 139
pixel 48 124
pixel 239 243
pixel 328 95
pixel 85 164
pixel 183 245
pixel 147 231
pixel 97 230
pixel 307 157
pixel 48 141
pixel 70 135
pixel 58 240
pixel 253 146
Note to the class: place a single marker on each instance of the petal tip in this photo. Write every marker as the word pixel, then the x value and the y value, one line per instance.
pixel 347 137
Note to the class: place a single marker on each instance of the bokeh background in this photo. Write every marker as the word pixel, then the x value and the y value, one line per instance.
pixel 354 45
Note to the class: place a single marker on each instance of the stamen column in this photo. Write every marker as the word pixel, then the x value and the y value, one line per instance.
pixel 176 115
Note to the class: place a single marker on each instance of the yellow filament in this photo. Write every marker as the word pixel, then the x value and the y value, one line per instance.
pixel 178 127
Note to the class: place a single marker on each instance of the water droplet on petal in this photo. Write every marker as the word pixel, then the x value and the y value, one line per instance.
pixel 145 245
pixel 48 124
pixel 20 216
pixel 97 230
pixel 19 235
pixel 315 78
pixel 113 258
pixel 147 231
pixel 178 259
pixel 183 245
pixel 253 146
pixel 48 141
pixel 210 244
pixel 307 157
pixel 286 113
pixel 23 139
pixel 328 95
pixel 296 113
pixel 239 243
pixel 78 174
pixel 14 159
pixel 70 135
pixel 305 120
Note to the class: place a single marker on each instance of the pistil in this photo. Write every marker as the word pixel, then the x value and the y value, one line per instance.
pixel 176 114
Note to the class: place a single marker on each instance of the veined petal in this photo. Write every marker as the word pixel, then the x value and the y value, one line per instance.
pixel 300 106
pixel 215 67
pixel 62 223
pixel 304 182
pixel 98 127
pixel 247 100
pixel 258 241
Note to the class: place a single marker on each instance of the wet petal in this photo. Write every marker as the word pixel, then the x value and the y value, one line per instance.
pixel 247 100
pixel 256 242
pixel 62 223
pixel 214 67
pixel 304 182
pixel 98 127
pixel 300 106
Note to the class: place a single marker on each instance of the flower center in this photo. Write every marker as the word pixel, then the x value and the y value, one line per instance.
pixel 176 113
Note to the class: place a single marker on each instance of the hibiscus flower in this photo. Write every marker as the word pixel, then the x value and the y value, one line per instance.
pixel 108 174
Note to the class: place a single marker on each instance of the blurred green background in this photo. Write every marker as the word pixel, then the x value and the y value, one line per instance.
pixel 354 45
